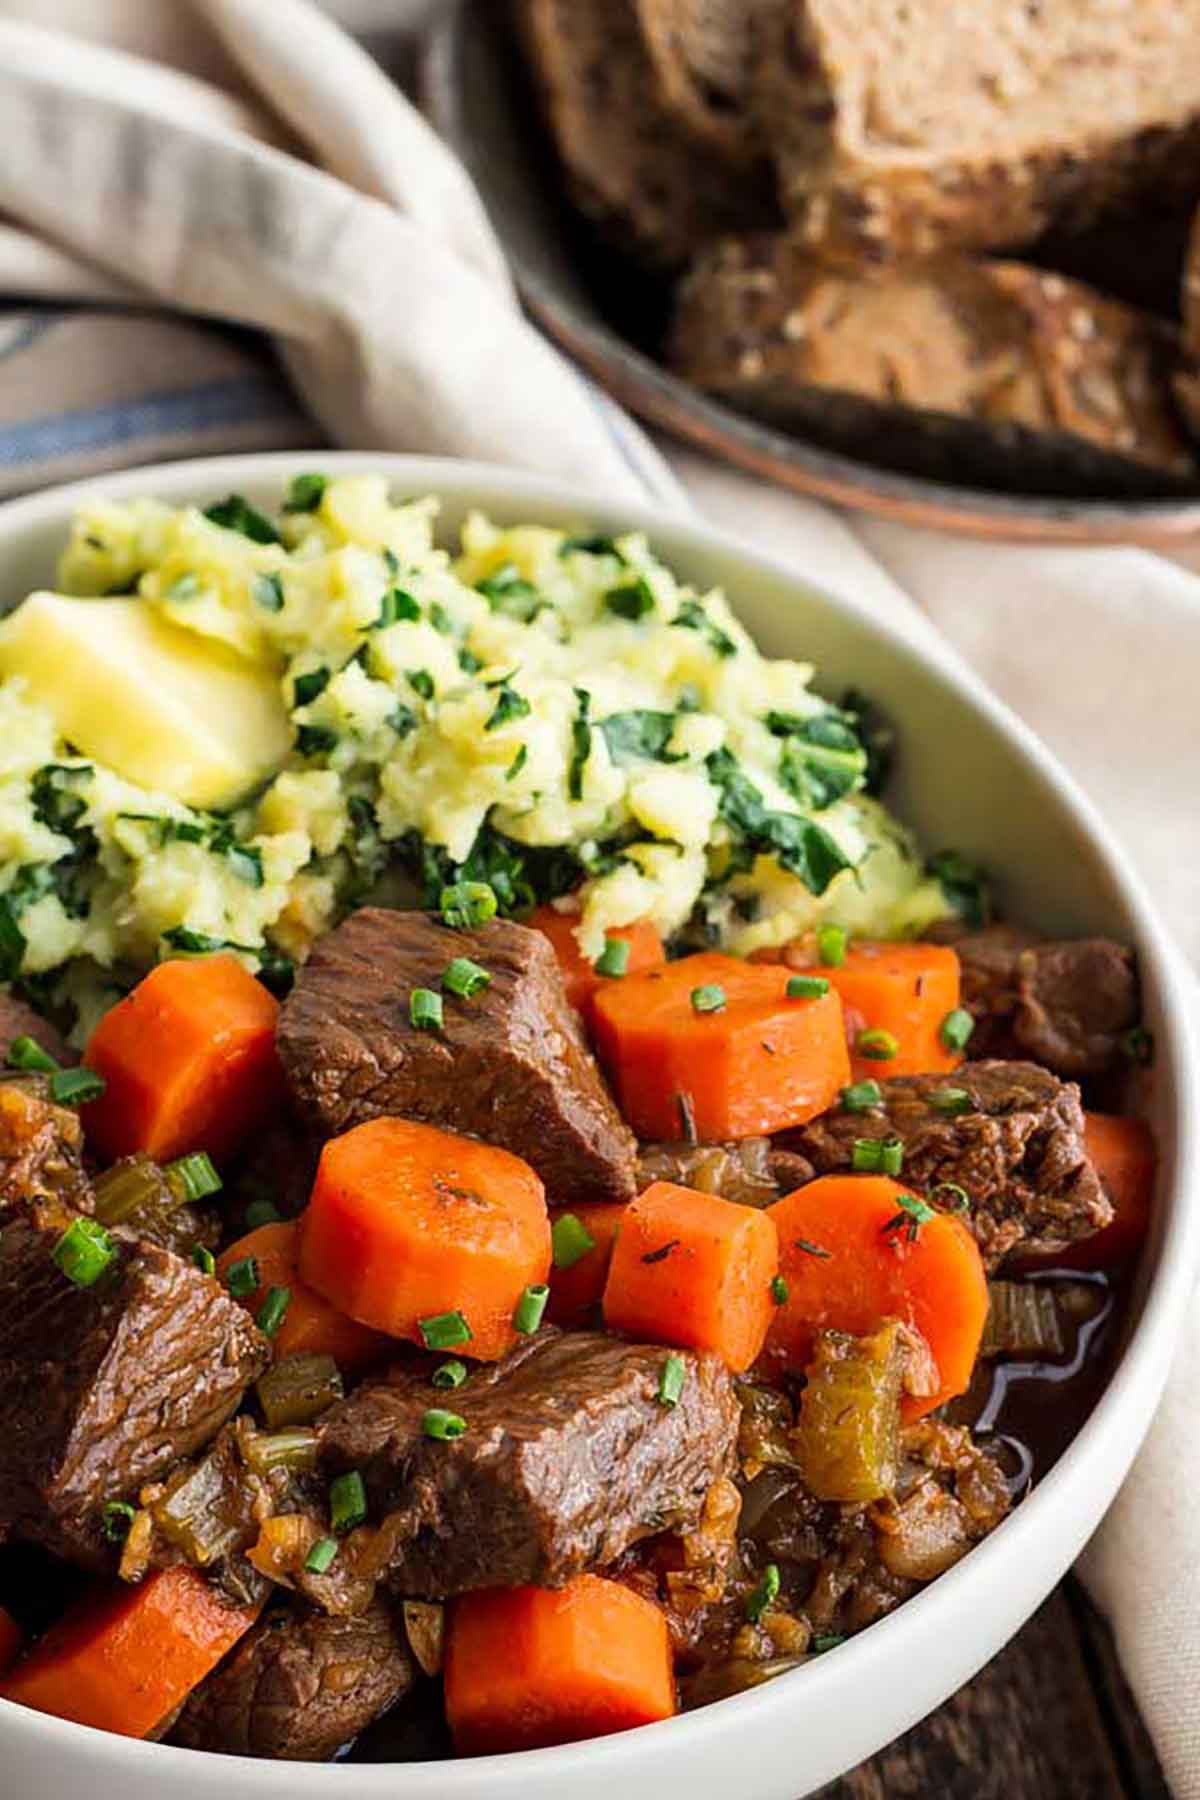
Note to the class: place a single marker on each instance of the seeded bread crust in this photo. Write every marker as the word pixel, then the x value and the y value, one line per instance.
pixel 905 127
pixel 638 171
pixel 704 55
pixel 1027 376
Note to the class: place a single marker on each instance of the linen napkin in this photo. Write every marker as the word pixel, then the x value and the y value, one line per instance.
pixel 197 199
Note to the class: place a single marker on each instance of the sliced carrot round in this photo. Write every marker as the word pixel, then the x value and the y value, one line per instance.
pixel 715 1045
pixel 407 1223
pixel 575 1291
pixel 527 1667
pixel 643 949
pixel 853 1255
pixel 188 1060
pixel 694 1270
pixel 124 1660
pixel 310 1323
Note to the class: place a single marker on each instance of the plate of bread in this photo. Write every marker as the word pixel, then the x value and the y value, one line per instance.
pixel 931 260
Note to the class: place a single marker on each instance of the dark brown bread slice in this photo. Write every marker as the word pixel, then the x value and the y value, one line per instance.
pixel 704 54
pixel 653 185
pixel 901 127
pixel 508 1065
pixel 960 367
pixel 102 1388
pixel 1018 1153
pixel 569 1456
pixel 300 1685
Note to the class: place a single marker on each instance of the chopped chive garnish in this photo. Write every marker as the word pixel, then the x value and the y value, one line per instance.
pixel 116 1516
pixel 450 1374
pixel 912 1215
pixel 764 1595
pixel 425 1009
pixel 465 978
pixel 779 1290
pixel 876 1045
pixel 670 1384
pixel 466 904
pixel 443 1330
pixel 877 1156
pixel 950 1101
pixel 530 1307
pixel 84 1251
pixel 956 1028
pixel 399 608
pixel 194 1176
pixel 347 1501
pixel 861 1096
pixel 241 1277
pixel 1138 1045
pixel 957 1198
pixel 320 1558
pixel 806 987
pixel 509 706
pixel 438 1423
pixel 614 958
pixel 826 1640
pixel 262 1212
pixel 831 945
pixel 811 1249
pixel 305 493
pixel 271 1313
pixel 268 591
pixel 204 1259
pixel 709 998
pixel 73 1087
pixel 26 1053
pixel 633 600
pixel 570 1241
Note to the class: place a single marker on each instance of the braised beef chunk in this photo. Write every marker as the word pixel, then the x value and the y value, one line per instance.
pixel 300 1685
pixel 753 1172
pixel 41 1147
pixel 1018 1152
pixel 569 1456
pixel 104 1387
pixel 509 1065
pixel 17 1020
pixel 1067 1005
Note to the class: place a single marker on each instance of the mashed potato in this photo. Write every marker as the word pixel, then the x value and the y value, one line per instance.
pixel 557 716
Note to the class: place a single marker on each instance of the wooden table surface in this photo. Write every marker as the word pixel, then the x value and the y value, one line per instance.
pixel 1050 1719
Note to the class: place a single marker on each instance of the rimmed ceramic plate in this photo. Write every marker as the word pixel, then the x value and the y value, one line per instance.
pixel 473 93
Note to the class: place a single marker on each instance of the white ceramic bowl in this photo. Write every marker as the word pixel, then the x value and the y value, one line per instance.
pixel 970 776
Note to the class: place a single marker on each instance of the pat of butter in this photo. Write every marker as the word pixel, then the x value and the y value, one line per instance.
pixel 163 707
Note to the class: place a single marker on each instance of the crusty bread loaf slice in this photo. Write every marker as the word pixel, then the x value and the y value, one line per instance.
pixel 903 127
pixel 704 54
pixel 631 166
pixel 991 371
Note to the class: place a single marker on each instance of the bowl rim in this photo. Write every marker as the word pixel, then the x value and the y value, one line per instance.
pixel 1138 1376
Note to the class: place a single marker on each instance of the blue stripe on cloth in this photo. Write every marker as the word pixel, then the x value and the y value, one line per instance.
pixel 220 403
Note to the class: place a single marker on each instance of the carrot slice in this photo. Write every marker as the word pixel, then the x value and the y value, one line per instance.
pixel 122 1660
pixel 853 1256
pixel 756 1063
pixel 694 1270
pixel 407 1222
pixel 527 1667
pixel 575 1292
pixel 580 977
pixel 310 1323
pixel 902 991
pixel 188 1059
pixel 10 1640
pixel 1123 1153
